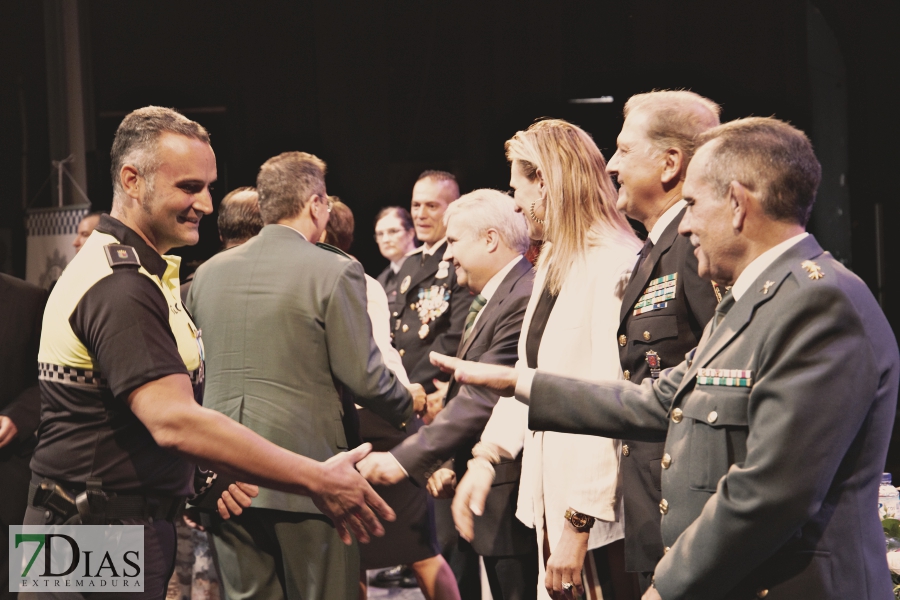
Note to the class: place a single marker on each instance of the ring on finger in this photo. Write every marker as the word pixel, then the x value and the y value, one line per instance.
pixel 567 586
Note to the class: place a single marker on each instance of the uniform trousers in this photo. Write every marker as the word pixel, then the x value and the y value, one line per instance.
pixel 159 560
pixel 268 554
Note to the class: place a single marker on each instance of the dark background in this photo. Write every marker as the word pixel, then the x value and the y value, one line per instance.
pixel 382 90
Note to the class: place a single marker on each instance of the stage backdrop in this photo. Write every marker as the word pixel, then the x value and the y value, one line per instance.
pixel 51 232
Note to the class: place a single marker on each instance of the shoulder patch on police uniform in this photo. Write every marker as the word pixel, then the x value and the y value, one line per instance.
pixel 120 255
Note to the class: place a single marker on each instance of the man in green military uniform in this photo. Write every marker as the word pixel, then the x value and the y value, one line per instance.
pixel 778 422
pixel 121 369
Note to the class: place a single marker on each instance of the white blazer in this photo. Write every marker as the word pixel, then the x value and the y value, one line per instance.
pixel 565 470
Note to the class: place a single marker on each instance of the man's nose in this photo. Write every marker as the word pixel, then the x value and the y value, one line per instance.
pixel 203 202
pixel 612 166
pixel 684 228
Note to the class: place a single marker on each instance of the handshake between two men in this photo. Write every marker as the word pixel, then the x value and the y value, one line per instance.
pixel 470 494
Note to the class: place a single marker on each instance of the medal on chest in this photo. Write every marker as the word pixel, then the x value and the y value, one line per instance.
pixel 443 270
pixel 657 294
pixel 433 302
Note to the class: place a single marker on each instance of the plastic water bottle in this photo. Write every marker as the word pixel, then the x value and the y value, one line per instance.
pixel 888 498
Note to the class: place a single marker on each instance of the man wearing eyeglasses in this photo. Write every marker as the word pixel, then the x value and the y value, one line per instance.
pixel 283 321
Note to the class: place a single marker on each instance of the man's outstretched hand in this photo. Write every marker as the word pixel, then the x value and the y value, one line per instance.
pixel 496 377
pixel 471 495
pixel 419 398
pixel 347 498
pixel 380 468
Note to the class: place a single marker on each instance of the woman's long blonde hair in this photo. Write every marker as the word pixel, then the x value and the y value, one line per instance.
pixel 580 200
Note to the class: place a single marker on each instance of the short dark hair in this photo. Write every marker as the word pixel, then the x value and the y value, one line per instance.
pixel 771 159
pixel 437 176
pixel 339 230
pixel 137 137
pixel 239 218
pixel 398 211
pixel 285 183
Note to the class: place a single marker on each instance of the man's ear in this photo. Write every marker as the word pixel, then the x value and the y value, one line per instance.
pixel 131 181
pixel 672 168
pixel 492 240
pixel 740 199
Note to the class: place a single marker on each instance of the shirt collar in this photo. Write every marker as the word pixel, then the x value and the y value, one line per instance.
pixel 434 247
pixel 490 288
pixel 396 264
pixel 761 263
pixel 151 260
pixel 666 218
pixel 292 229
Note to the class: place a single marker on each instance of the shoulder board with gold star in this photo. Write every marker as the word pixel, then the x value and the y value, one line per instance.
pixel 120 255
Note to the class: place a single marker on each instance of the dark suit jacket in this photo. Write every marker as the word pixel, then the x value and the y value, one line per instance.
pixel 281 321
pixel 20 330
pixel 494 339
pixel 772 480
pixel 673 331
pixel 443 333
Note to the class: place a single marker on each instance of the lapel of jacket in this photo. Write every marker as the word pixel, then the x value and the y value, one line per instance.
pixel 639 283
pixel 742 312
pixel 517 272
pixel 419 271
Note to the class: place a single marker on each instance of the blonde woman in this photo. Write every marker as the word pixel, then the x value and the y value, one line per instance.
pixel 569 490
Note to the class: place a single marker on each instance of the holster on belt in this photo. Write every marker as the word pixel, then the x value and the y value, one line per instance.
pixel 93 506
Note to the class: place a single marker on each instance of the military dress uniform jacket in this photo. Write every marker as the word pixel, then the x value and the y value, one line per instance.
pixel 283 320
pixel 778 427
pixel 430 314
pixel 664 310
pixel 493 339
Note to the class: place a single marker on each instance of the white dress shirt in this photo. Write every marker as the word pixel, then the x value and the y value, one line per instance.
pixel 663 222
pixel 490 288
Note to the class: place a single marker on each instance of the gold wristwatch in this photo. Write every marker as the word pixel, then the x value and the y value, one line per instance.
pixel 579 521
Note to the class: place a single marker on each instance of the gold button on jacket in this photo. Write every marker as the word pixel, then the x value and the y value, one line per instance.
pixel 647 336
pixel 626 450
pixel 627 375
pixel 677 415
pixel 712 417
pixel 666 461
pixel 623 339
pixel 664 506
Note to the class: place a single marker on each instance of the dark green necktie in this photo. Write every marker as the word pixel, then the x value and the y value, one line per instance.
pixel 477 304
pixel 723 308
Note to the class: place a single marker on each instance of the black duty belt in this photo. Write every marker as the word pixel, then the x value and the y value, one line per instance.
pixel 94 506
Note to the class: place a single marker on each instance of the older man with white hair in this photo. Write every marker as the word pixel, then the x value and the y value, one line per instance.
pixel 486 240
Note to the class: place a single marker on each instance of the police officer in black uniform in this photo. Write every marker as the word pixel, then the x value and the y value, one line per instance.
pixel 666 304
pixel 121 369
